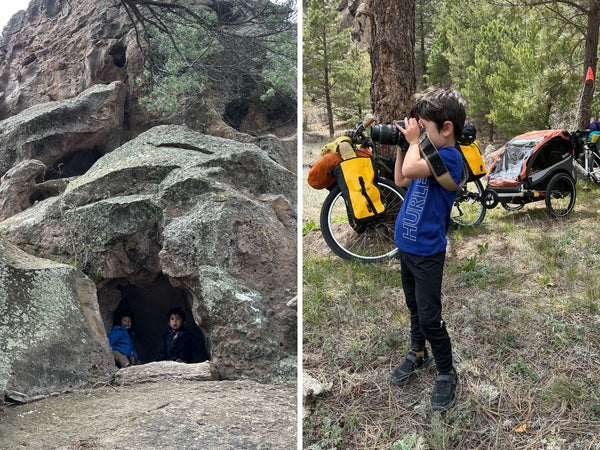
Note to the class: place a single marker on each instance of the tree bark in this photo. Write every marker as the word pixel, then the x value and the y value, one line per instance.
pixel 328 106
pixel 392 58
pixel 584 112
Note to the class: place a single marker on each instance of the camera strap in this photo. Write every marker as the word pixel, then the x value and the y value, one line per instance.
pixel 436 164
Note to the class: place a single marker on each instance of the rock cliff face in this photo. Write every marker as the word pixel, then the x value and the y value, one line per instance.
pixel 172 217
pixel 56 49
pixel 355 14
pixel 216 217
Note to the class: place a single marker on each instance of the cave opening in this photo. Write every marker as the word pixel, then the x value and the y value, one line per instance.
pixel 118 52
pixel 235 113
pixel 74 164
pixel 149 304
pixel 258 117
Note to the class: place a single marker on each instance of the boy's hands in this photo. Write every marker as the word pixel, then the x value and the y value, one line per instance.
pixel 412 130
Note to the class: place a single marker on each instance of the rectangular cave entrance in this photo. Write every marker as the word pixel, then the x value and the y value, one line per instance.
pixel 149 304
pixel 75 163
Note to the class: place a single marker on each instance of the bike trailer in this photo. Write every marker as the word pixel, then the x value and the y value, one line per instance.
pixel 529 161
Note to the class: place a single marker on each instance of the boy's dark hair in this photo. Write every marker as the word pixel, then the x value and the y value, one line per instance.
pixel 123 313
pixel 440 105
pixel 177 310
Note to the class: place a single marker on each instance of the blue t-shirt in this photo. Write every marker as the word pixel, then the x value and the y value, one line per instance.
pixel 424 218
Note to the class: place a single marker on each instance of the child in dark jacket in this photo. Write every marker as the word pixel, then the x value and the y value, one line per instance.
pixel 177 342
pixel 121 343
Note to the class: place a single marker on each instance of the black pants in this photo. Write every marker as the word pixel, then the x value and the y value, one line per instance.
pixel 422 284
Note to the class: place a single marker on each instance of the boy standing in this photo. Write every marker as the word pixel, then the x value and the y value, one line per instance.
pixel 420 235
pixel 177 342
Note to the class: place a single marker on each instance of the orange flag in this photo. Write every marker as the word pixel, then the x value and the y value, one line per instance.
pixel 589 76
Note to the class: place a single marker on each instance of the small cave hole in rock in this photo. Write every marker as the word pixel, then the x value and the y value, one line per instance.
pixel 235 113
pixel 42 192
pixel 149 305
pixel 75 163
pixel 118 51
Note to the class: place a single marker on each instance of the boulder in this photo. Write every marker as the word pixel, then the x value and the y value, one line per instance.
pixel 18 185
pixel 216 217
pixel 51 333
pixel 55 132
pixel 169 370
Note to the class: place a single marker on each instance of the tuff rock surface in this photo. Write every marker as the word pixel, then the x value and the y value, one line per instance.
pixel 51 333
pixel 18 185
pixel 165 370
pixel 216 217
pixel 169 414
pixel 56 49
pixel 50 132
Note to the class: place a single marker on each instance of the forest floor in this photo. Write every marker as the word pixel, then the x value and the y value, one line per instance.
pixel 521 299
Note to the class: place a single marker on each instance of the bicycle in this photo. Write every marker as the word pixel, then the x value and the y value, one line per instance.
pixel 587 161
pixel 373 242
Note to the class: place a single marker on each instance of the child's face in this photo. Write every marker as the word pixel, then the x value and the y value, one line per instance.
pixel 439 138
pixel 175 321
pixel 126 320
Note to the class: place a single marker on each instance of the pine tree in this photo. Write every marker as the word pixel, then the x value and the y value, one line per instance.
pixel 324 47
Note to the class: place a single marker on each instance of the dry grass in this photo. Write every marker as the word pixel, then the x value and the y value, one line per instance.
pixel 522 303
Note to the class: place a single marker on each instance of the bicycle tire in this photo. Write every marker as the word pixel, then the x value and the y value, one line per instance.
pixel 468 209
pixel 560 195
pixel 594 167
pixel 376 243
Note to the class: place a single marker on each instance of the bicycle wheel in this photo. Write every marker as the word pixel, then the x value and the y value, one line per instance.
pixel 468 208
pixel 376 243
pixel 560 195
pixel 594 167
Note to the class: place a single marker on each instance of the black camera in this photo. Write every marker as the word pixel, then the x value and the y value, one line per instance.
pixel 390 135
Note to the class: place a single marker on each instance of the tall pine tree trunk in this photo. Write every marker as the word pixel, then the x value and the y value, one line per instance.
pixel 328 105
pixel 392 58
pixel 584 112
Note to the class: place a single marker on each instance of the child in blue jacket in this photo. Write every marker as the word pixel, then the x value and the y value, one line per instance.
pixel 121 343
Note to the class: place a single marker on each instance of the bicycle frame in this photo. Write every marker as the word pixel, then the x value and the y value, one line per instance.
pixel 589 167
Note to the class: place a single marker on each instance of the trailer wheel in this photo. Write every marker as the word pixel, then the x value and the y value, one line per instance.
pixel 560 195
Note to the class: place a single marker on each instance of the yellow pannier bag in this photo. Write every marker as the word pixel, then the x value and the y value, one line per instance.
pixel 474 160
pixel 357 179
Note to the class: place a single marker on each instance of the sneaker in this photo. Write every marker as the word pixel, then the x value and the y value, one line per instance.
pixel 408 369
pixel 444 395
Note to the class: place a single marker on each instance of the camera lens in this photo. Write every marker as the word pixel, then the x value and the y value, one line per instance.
pixel 389 135
pixel 385 134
